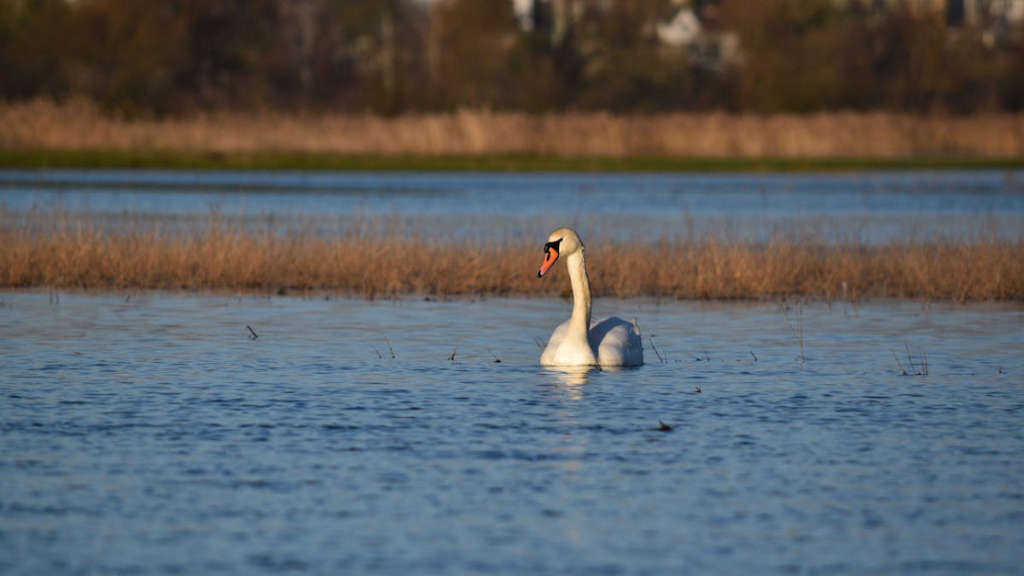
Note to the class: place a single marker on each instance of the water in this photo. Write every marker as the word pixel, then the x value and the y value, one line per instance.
pixel 150 434
pixel 856 207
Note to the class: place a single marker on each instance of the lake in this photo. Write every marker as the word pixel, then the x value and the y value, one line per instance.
pixel 863 208
pixel 155 433
pixel 168 433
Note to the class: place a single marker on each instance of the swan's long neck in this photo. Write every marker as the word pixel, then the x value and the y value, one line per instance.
pixel 579 322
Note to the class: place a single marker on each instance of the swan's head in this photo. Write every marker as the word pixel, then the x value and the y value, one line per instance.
pixel 563 241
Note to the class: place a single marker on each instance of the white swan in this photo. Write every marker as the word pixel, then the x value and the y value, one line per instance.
pixel 609 342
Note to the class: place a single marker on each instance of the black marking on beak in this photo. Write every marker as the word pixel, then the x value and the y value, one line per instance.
pixel 550 251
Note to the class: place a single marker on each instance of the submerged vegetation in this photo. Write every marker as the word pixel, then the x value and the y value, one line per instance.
pixel 47 250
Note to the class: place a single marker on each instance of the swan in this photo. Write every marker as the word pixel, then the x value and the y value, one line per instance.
pixel 576 342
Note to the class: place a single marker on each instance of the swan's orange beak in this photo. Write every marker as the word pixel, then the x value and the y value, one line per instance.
pixel 550 255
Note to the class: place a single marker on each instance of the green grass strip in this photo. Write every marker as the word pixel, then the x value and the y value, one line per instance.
pixel 191 160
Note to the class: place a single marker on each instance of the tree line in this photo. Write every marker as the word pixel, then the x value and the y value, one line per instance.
pixel 397 56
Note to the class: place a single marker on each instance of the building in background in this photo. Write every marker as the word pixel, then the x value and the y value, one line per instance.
pixel 695 30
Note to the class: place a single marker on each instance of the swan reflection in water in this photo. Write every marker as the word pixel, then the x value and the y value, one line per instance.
pixel 571 379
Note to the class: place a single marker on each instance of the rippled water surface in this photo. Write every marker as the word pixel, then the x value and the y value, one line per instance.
pixel 857 207
pixel 151 434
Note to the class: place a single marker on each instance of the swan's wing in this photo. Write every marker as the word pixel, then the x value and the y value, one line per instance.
pixel 617 343
pixel 547 357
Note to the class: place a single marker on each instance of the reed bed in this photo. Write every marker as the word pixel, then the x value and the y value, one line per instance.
pixel 80 126
pixel 65 254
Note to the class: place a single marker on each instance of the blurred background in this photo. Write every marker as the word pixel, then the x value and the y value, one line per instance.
pixel 388 57
pixel 365 118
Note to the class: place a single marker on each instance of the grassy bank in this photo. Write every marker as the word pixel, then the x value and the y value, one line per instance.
pixel 76 135
pixel 45 252
pixel 190 160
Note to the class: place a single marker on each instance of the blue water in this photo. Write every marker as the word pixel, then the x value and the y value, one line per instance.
pixel 856 207
pixel 151 434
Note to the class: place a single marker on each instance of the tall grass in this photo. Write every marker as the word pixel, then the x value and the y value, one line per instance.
pixel 47 250
pixel 78 125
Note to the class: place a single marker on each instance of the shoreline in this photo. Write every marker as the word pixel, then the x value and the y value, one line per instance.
pixel 327 295
pixel 77 134
pixel 155 159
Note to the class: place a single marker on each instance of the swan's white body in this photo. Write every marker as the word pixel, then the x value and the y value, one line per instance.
pixel 577 342
pixel 610 342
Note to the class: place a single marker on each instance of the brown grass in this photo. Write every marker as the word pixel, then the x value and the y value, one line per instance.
pixel 42 125
pixel 46 250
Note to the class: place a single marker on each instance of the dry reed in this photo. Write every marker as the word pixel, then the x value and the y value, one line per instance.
pixel 64 254
pixel 78 125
